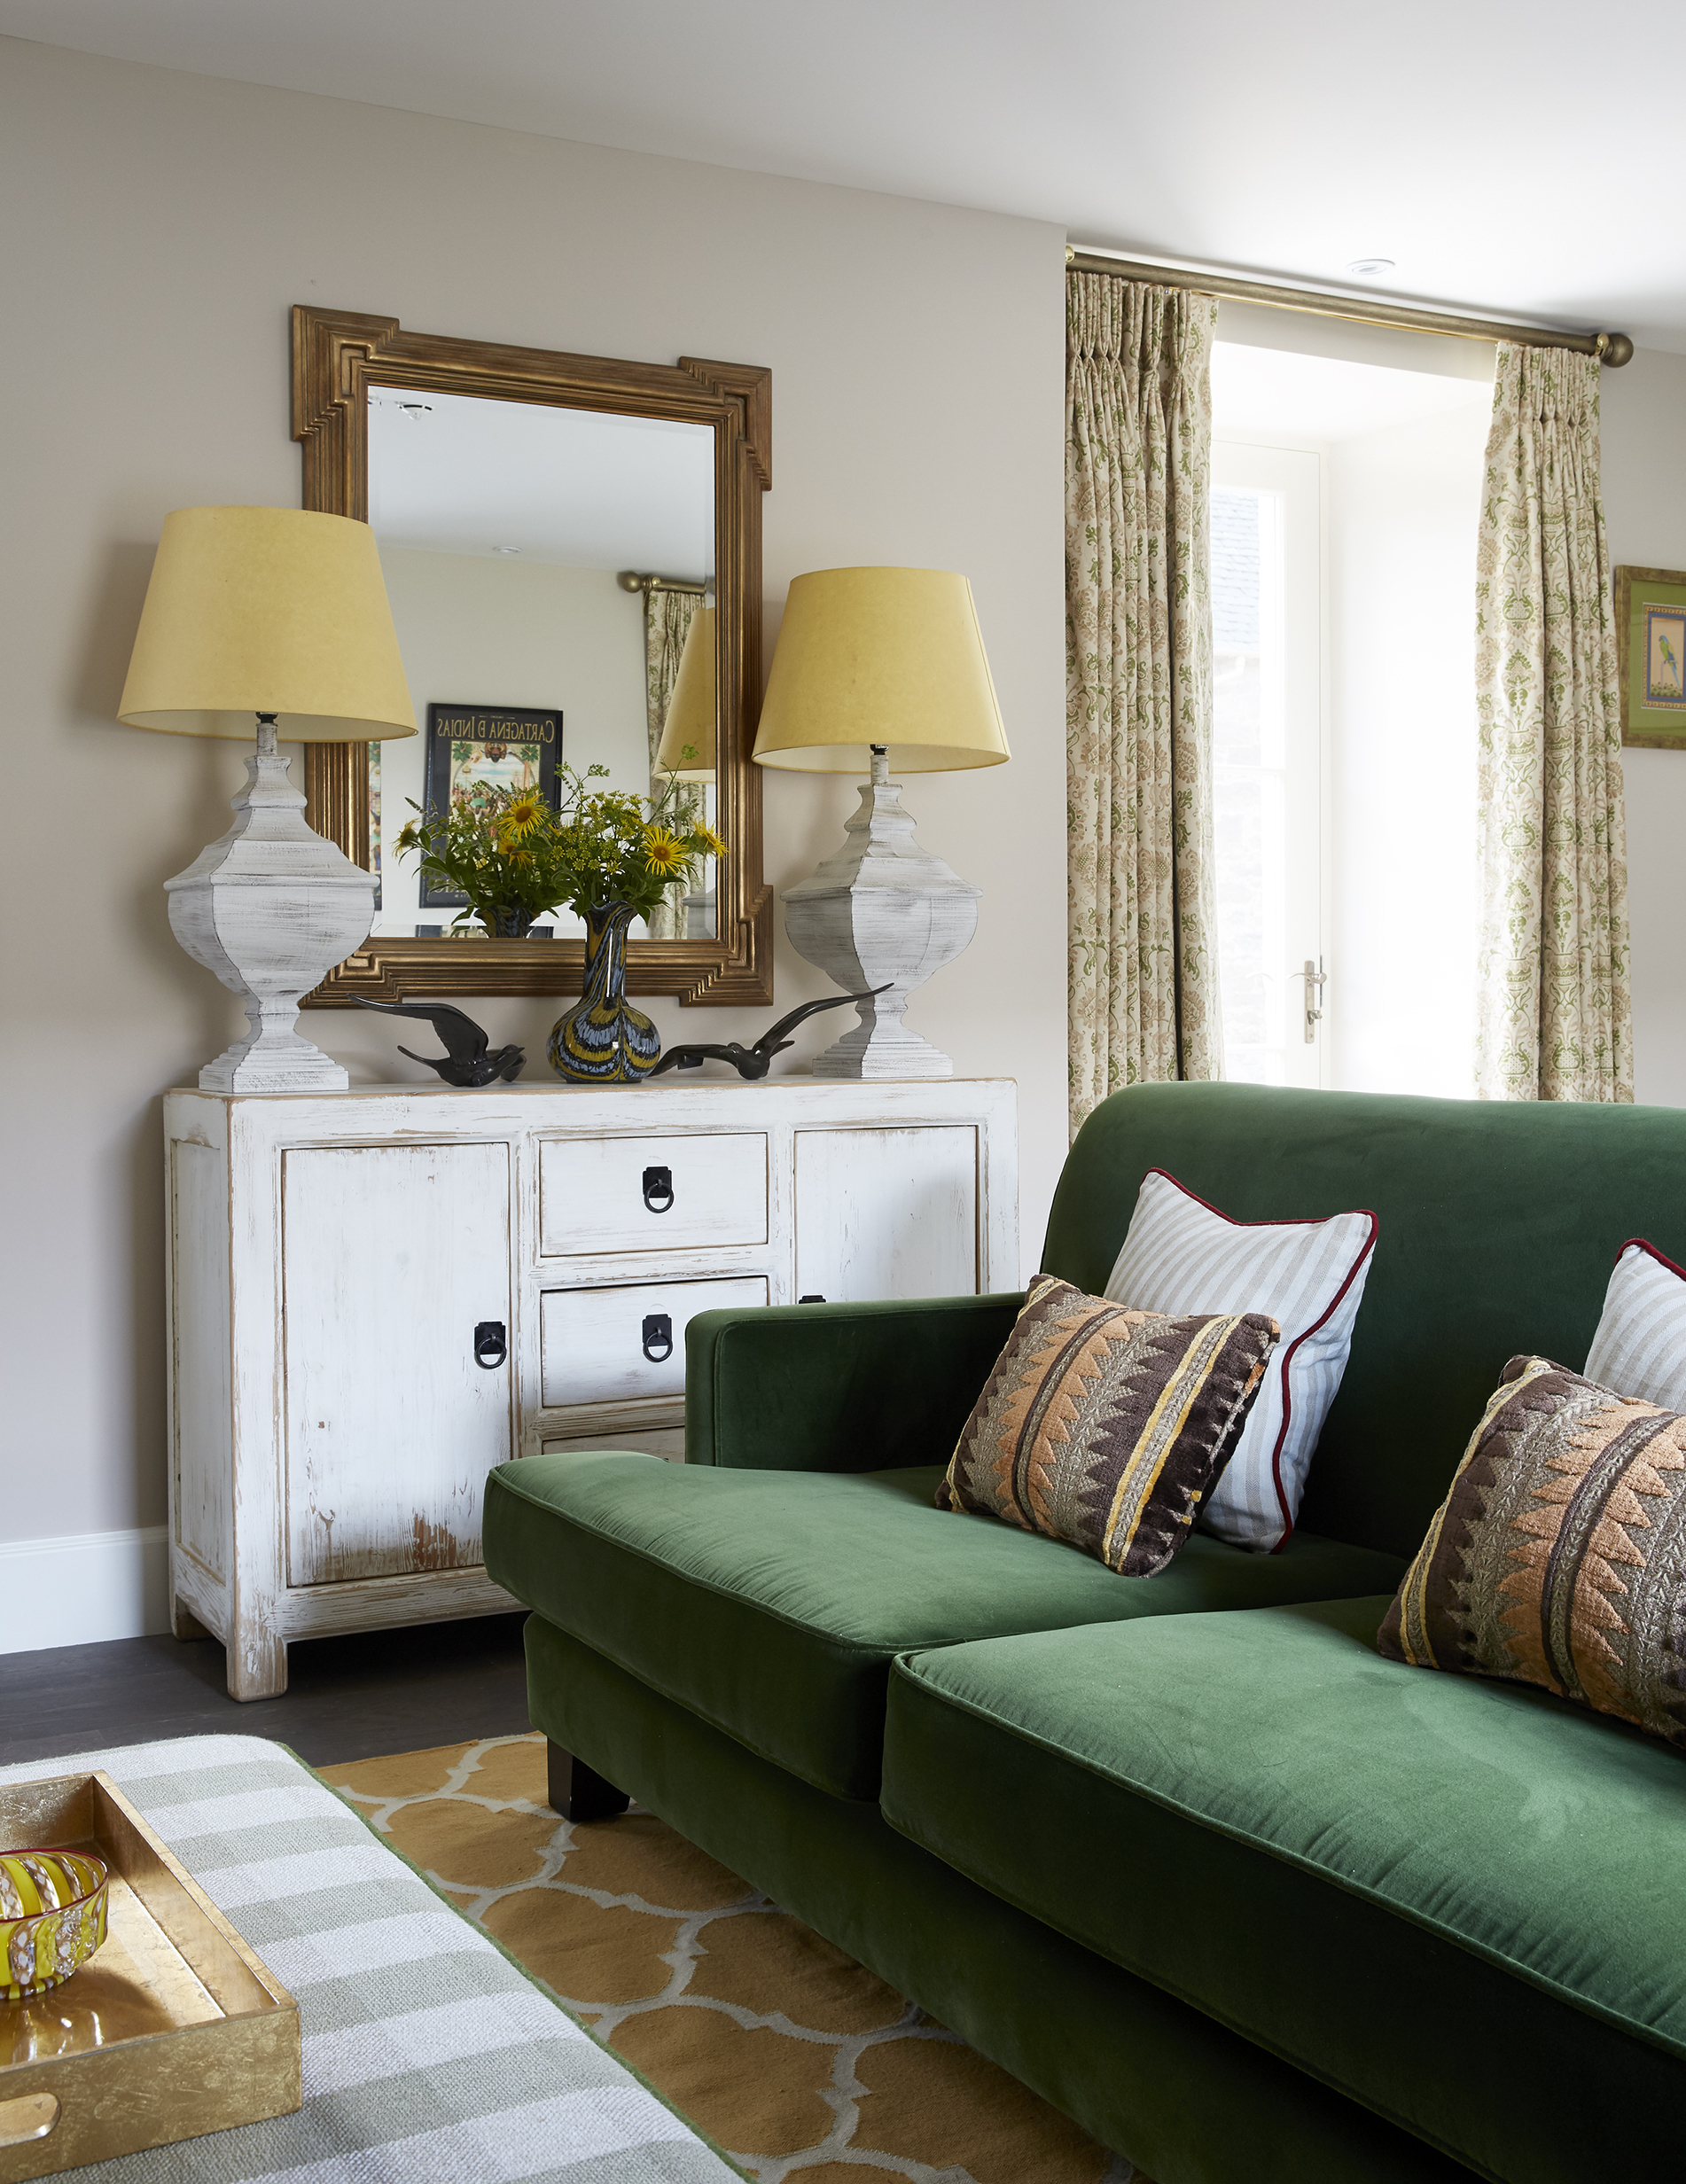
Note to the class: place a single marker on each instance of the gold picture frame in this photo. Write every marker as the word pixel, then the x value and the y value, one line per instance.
pixel 336 356
pixel 1650 653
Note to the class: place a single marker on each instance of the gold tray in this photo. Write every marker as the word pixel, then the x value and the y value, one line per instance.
pixel 172 2028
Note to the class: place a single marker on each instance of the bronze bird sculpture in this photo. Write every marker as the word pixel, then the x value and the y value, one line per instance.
pixel 466 1063
pixel 754 1062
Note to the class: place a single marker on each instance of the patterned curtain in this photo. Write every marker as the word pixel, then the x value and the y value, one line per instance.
pixel 1554 1017
pixel 667 617
pixel 1142 973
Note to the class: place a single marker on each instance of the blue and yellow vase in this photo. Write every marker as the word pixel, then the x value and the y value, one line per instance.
pixel 602 1039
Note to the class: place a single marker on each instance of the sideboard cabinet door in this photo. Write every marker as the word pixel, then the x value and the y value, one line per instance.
pixel 392 1255
pixel 887 1212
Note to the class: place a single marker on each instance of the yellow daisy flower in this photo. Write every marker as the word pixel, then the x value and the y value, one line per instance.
pixel 664 853
pixel 522 815
pixel 707 838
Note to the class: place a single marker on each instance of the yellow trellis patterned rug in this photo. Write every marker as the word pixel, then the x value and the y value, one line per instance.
pixel 795 2060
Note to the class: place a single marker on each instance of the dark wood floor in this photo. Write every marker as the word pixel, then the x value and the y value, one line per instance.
pixel 347 1698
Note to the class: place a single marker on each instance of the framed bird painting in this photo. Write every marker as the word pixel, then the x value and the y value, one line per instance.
pixel 1651 642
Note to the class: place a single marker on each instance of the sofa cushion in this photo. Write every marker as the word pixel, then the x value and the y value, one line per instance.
pixel 1105 1427
pixel 1558 1557
pixel 772 1603
pixel 1640 1346
pixel 1183 1255
pixel 1459 1902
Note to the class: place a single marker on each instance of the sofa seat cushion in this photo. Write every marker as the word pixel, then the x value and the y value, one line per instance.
pixel 1460 1902
pixel 772 1603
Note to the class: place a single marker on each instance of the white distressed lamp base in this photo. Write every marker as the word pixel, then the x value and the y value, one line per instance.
pixel 269 908
pixel 883 912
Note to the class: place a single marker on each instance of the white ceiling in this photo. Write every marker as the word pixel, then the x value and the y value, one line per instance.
pixel 1507 158
pixel 1324 400
pixel 459 473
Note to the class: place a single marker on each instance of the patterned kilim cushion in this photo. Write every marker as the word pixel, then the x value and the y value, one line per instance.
pixel 1106 1427
pixel 1558 1557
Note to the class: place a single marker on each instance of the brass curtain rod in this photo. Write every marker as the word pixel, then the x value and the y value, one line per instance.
pixel 630 580
pixel 1608 348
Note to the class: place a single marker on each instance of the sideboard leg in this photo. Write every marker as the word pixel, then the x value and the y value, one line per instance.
pixel 577 1791
pixel 184 1622
pixel 257 1667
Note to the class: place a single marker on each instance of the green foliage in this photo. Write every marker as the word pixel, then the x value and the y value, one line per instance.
pixel 510 853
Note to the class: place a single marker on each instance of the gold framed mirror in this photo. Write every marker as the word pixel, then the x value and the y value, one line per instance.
pixel 424 421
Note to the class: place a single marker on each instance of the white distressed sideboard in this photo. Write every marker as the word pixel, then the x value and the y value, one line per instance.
pixel 376 1296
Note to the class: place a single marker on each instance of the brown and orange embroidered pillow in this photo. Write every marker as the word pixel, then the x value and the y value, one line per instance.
pixel 1558 1557
pixel 1106 1427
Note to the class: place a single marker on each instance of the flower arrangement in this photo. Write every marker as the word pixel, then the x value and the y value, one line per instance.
pixel 515 857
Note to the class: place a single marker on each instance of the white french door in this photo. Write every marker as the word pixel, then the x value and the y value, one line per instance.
pixel 1267 771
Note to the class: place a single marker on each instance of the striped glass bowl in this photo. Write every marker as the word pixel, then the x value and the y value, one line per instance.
pixel 53 1918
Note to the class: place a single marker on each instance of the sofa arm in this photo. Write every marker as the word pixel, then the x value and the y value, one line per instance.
pixel 839 1387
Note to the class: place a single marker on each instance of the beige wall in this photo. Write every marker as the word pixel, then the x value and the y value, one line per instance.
pixel 1643 408
pixel 159 227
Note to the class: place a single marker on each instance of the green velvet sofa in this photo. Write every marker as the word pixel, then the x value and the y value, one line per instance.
pixel 1184 1854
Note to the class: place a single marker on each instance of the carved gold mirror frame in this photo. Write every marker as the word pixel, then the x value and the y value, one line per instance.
pixel 336 356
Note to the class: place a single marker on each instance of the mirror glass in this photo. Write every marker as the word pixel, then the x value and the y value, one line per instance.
pixel 545 566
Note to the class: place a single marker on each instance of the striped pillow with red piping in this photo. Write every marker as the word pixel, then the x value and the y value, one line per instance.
pixel 1639 1348
pixel 1181 1255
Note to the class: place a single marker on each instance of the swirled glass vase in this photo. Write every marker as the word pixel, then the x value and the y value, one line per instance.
pixel 602 1039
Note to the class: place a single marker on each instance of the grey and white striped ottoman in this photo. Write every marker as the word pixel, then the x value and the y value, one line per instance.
pixel 428 2052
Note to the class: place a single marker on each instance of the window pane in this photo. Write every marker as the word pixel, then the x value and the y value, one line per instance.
pixel 1249 816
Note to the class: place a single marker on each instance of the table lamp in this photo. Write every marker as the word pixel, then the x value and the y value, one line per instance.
pixel 687 746
pixel 276 619
pixel 878 668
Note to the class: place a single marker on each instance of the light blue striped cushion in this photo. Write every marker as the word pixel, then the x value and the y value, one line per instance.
pixel 1639 1348
pixel 1180 1256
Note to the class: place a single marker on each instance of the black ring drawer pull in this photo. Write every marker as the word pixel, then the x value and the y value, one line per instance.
pixel 658 1184
pixel 658 1337
pixel 491 1344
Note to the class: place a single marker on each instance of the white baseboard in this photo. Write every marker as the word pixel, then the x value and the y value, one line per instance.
pixel 84 1588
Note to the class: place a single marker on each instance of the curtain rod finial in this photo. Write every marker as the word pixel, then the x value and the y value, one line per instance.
pixel 1614 350
pixel 1070 255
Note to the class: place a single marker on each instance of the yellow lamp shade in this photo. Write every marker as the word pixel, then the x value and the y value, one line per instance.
pixel 880 655
pixel 687 749
pixel 267 610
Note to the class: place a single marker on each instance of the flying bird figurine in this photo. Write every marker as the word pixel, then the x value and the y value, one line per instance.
pixel 753 1062
pixel 466 1061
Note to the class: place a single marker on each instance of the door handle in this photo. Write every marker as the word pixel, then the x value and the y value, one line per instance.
pixel 658 1337
pixel 658 1184
pixel 491 1344
pixel 1316 977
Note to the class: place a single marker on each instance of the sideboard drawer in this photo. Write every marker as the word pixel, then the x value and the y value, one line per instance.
pixel 651 1194
pixel 602 1346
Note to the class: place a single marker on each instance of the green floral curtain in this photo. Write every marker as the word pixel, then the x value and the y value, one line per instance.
pixel 1142 976
pixel 667 617
pixel 1554 1016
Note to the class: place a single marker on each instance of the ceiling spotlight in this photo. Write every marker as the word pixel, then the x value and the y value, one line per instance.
pixel 506 549
pixel 1368 266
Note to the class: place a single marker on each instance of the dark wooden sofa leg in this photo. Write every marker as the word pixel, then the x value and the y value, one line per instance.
pixel 577 1791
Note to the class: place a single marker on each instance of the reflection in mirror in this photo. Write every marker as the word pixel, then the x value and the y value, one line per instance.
pixel 546 566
